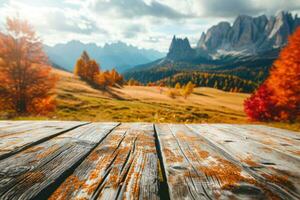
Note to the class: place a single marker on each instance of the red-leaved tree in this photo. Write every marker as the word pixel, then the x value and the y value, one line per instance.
pixel 284 80
pixel 26 84
pixel 279 97
pixel 260 106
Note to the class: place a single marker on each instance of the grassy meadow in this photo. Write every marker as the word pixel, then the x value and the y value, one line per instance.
pixel 76 100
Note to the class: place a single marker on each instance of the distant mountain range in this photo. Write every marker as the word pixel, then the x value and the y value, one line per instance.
pixel 116 55
pixel 246 49
pixel 249 35
pixel 246 36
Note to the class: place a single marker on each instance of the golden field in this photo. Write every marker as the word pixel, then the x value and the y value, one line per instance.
pixel 76 100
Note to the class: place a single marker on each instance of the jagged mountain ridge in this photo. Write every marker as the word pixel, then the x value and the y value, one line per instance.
pixel 246 36
pixel 116 55
pixel 250 35
pixel 180 49
pixel 246 49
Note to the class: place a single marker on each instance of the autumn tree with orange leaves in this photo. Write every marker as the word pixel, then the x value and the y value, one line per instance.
pixel 108 78
pixel 279 97
pixel 86 68
pixel 26 82
pixel 116 77
pixel 89 71
pixel 103 80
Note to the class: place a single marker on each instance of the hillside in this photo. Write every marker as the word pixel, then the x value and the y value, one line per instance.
pixel 251 70
pixel 76 100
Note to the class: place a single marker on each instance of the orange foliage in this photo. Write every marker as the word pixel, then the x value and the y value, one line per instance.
pixel 278 98
pixel 26 82
pixel 133 82
pixel 103 80
pixel 92 70
pixel 108 78
pixel 116 77
pixel 284 79
pixel 89 71
pixel 151 84
pixel 86 68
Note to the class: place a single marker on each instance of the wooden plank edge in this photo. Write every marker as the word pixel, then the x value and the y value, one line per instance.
pixel 6 155
pixel 48 191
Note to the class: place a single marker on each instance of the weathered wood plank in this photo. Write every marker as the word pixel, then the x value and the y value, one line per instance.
pixel 201 161
pixel 278 141
pixel 198 170
pixel 277 171
pixel 15 139
pixel 17 126
pixel 178 170
pixel 20 127
pixel 283 140
pixel 6 124
pixel 272 131
pixel 136 172
pixel 31 172
pixel 123 166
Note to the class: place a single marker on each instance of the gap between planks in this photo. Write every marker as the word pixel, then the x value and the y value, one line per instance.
pixel 120 164
pixel 27 174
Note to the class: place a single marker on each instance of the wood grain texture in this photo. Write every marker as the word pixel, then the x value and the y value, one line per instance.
pixel 7 124
pixel 282 140
pixel 26 174
pixel 123 166
pixel 204 170
pixel 263 161
pixel 78 160
pixel 15 127
pixel 22 135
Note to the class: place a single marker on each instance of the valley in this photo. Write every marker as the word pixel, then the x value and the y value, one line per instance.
pixel 245 49
pixel 76 100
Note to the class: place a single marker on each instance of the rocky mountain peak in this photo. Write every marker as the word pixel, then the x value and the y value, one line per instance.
pixel 243 18
pixel 249 34
pixel 261 21
pixel 179 42
pixel 180 49
pixel 215 36
pixel 202 40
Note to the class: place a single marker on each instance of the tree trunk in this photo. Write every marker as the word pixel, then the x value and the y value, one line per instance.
pixel 21 106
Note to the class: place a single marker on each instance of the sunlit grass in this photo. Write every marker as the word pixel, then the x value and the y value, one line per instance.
pixel 77 101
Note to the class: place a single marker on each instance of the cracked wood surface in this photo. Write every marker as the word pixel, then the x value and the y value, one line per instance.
pixel 80 160
pixel 21 135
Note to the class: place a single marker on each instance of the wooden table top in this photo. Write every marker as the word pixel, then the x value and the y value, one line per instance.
pixel 82 160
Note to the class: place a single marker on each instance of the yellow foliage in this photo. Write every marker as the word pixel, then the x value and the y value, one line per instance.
pixel 188 89
pixel 172 93
pixel 177 86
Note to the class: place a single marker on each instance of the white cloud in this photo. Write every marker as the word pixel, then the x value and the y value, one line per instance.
pixel 144 23
pixel 135 9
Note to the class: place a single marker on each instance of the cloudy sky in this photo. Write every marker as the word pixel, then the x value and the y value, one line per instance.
pixel 142 23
